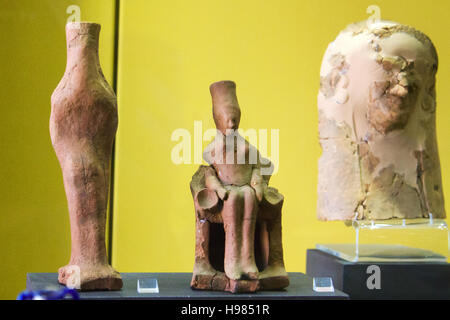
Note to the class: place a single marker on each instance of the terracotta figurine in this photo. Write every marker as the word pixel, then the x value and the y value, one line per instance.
pixel 83 124
pixel 377 115
pixel 238 217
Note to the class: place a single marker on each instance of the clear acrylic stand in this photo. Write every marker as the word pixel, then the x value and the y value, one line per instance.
pixel 147 285
pixel 406 240
pixel 323 284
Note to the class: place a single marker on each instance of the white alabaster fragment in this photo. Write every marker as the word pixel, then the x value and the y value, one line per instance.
pixel 377 125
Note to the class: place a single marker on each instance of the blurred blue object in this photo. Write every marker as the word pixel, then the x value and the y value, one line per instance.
pixel 48 294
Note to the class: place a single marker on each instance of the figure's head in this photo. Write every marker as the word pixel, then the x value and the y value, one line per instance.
pixel 226 111
pixel 377 125
pixel 378 75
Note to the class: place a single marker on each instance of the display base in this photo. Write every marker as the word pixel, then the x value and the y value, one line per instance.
pixel 380 253
pixel 396 280
pixel 175 286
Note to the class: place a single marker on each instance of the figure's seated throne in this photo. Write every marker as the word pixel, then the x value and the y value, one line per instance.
pixel 210 257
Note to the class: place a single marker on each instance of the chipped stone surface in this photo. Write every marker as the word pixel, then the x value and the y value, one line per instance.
pixel 339 151
pixel 377 125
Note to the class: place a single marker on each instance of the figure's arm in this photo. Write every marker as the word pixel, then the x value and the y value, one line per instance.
pixel 212 182
pixel 258 183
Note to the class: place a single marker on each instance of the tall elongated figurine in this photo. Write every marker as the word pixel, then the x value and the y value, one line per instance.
pixel 83 124
pixel 377 115
pixel 238 216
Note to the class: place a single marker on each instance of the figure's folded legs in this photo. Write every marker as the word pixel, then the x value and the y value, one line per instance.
pixel 248 233
pixel 232 215
pixel 239 219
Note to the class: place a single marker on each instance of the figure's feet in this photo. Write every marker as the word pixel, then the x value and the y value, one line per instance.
pixel 250 275
pixel 274 278
pixel 233 270
pixel 240 271
pixel 203 267
pixel 250 271
pixel 243 286
pixel 206 281
pixel 273 271
pixel 220 282
pixel 90 277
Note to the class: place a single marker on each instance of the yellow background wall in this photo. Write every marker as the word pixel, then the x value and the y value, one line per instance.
pixel 34 222
pixel 170 52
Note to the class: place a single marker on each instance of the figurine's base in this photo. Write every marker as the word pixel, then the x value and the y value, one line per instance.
pixel 380 253
pixel 394 240
pixel 382 280
pixel 96 278
pixel 220 282
pixel 175 286
pixel 101 284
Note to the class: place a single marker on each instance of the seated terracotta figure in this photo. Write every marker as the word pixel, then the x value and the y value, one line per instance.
pixel 238 217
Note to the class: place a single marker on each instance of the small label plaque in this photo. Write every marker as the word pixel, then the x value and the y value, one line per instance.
pixel 147 286
pixel 323 284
